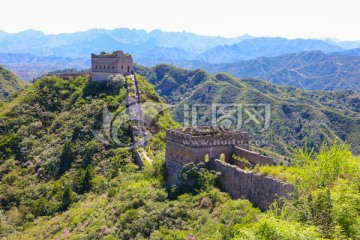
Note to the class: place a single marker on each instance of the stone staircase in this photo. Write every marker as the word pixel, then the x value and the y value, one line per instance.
pixel 136 116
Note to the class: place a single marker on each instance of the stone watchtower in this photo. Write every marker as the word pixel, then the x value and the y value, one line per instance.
pixel 189 145
pixel 227 153
pixel 107 64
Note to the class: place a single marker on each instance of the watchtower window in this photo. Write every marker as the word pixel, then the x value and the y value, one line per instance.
pixel 100 67
pixel 104 67
pixel 108 67
pixel 128 68
pixel 96 67
pixel 113 67
pixel 122 67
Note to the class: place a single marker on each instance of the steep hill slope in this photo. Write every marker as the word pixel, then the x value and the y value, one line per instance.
pixel 58 182
pixel 297 116
pixel 9 84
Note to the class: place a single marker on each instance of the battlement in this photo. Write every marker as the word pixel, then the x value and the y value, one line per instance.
pixel 115 54
pixel 191 138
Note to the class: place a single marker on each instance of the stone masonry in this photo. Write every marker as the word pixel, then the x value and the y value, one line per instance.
pixel 107 64
pixel 187 145
pixel 260 190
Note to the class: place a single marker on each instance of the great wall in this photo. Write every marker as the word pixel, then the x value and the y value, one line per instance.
pixel 191 145
pixel 208 146
pixel 106 64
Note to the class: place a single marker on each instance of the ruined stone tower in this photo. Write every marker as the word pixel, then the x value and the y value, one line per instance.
pixel 106 64
pixel 189 145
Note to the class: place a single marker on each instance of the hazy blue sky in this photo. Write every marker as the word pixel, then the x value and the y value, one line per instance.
pixel 230 18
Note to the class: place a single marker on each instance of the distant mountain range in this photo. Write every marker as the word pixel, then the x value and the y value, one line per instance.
pixel 158 44
pixel 263 47
pixel 314 70
pixel 321 64
pixel 138 42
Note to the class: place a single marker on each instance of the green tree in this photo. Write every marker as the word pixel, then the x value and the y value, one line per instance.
pixel 196 178
pixel 67 197
pixel 9 145
pixel 90 149
pixel 66 158
pixel 83 179
pixel 87 181
pixel 321 207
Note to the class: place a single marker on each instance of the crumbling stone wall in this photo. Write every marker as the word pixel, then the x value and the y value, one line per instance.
pixel 259 190
pixel 183 148
pixel 253 157
pixel 139 159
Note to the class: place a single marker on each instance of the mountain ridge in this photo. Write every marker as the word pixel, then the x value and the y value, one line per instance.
pixel 330 114
pixel 312 70
pixel 264 47
pixel 9 84
pixel 189 42
pixel 80 44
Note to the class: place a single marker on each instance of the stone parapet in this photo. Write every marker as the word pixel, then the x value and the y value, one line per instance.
pixel 187 145
pixel 253 157
pixel 260 190
pixel 219 139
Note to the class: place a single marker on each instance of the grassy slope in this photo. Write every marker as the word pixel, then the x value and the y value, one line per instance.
pixel 123 202
pixel 298 117
pixel 9 84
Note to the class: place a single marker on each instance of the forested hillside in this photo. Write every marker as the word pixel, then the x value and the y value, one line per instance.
pixel 9 84
pixel 58 181
pixel 298 117
pixel 314 70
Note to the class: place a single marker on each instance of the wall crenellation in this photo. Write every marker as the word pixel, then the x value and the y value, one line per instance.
pixel 219 139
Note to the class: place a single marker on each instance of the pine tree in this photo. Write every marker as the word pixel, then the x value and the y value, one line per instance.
pixel 66 158
pixel 67 197
pixel 83 179
pixel 89 175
